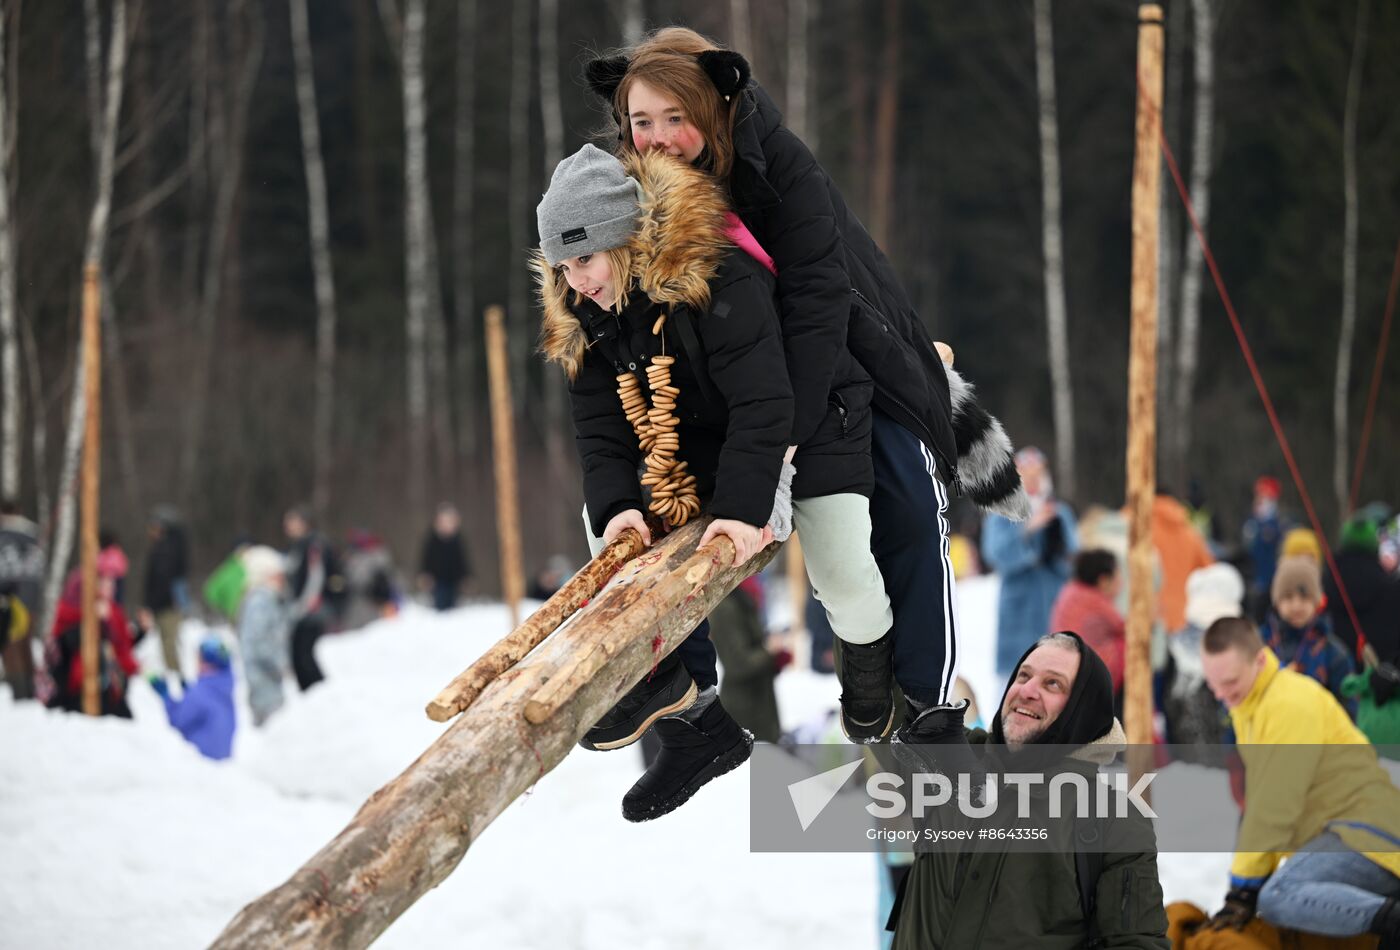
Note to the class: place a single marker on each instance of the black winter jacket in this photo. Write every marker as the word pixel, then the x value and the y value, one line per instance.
pixel 735 426
pixel 1374 596
pixel 166 563
pixel 837 289
pixel 445 559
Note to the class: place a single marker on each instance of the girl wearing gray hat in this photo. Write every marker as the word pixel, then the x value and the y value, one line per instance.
pixel 670 338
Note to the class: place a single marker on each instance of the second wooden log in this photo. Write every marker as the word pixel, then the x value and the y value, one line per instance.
pixel 511 649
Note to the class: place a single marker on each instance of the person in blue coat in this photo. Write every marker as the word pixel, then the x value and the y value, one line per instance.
pixel 1034 560
pixel 204 715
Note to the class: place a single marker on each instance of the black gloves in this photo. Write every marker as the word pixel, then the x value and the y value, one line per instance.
pixel 1239 908
pixel 1385 680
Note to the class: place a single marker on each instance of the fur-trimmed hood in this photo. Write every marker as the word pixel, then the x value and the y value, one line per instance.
pixel 676 251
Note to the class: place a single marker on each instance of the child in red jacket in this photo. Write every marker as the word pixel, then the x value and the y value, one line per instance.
pixel 63 652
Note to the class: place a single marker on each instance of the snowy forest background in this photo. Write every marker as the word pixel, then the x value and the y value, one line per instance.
pixel 171 141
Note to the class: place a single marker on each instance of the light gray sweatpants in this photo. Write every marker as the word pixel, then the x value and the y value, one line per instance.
pixel 835 533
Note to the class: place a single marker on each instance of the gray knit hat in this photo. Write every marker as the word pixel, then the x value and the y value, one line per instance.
pixel 592 205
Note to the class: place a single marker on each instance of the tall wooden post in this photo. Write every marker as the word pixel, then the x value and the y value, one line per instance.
pixel 503 445
pixel 92 445
pixel 1142 376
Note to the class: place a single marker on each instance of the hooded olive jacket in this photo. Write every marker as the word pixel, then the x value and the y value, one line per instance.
pixel 995 900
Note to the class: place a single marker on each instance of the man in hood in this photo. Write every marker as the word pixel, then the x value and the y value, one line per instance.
pixel 1060 694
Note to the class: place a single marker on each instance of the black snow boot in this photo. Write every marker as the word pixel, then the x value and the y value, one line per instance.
pixel 696 746
pixel 1387 925
pixel 666 690
pixel 866 672
pixel 933 739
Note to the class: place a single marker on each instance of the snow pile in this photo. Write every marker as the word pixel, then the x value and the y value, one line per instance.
pixel 118 834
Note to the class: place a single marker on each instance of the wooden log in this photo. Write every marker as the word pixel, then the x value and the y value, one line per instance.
pixel 511 649
pixel 503 449
pixel 677 576
pixel 1142 378
pixel 414 831
pixel 89 633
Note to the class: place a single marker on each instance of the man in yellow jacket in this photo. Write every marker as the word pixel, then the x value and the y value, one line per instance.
pixel 1315 794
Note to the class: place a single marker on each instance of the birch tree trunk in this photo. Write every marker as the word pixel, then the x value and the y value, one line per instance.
pixel 633 22
pixel 799 117
pixel 464 296
pixel 1168 263
pixel 1189 326
pixel 415 249
pixel 740 36
pixel 1345 340
pixel 93 255
pixel 1056 310
pixel 9 338
pixel 321 266
pixel 111 335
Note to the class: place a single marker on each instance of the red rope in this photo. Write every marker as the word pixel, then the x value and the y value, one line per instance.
pixel 1375 385
pixel 1261 387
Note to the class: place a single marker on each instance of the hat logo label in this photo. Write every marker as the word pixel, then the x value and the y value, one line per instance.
pixel 574 236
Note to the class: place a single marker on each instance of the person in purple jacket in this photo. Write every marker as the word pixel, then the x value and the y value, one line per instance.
pixel 204 715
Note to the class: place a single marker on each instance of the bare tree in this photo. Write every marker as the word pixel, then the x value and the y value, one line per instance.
pixel 798 74
pixel 886 112
pixel 112 352
pixel 9 339
pixel 226 137
pixel 1168 264
pixel 633 22
pixel 1052 242
pixel 322 427
pixel 93 254
pixel 463 296
pixel 1348 329
pixel 415 247
pixel 551 109
pixel 1189 326
pixel 740 35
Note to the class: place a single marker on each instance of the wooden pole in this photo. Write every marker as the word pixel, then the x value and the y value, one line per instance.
pixel 92 445
pixel 1142 376
pixel 503 445
pixel 510 650
pixel 411 834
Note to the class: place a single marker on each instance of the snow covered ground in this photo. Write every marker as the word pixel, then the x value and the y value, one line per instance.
pixel 117 834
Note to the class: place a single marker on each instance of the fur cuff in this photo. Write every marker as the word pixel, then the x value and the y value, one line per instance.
pixel 986 463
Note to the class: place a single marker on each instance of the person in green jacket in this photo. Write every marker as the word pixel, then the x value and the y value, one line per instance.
pixel 223 591
pixel 1060 694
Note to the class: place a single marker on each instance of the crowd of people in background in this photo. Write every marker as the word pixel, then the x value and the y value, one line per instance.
pixel 1056 571
pixel 264 608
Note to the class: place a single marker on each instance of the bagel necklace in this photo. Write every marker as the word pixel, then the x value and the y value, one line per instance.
pixel 673 496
